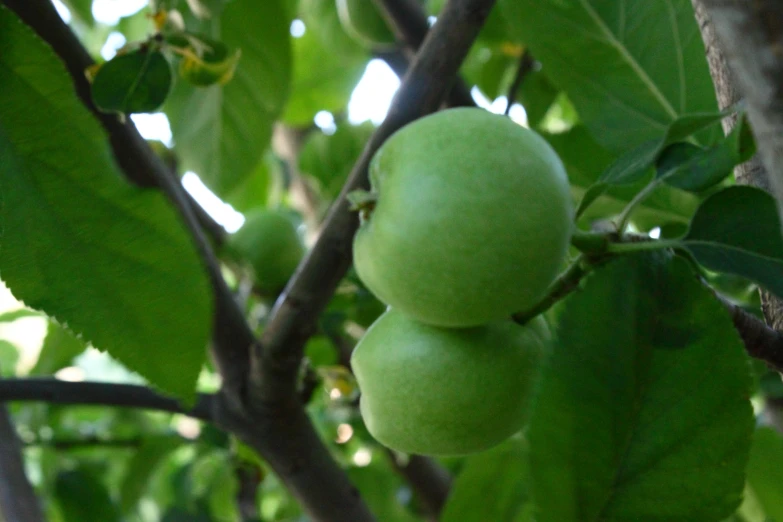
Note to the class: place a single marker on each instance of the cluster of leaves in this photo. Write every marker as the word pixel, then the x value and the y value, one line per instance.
pixel 644 412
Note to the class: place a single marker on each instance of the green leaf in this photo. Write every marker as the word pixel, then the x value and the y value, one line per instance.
pixel 585 160
pixel 81 10
pixel 83 496
pixel 9 356
pixel 221 132
pixel 635 164
pixel 327 65
pixel 643 413
pixel 262 188
pixel 141 467
pixel 500 474
pixel 765 472
pixel 737 230
pixel 58 351
pixel 111 261
pixel 13 315
pixel 601 54
pixel 693 168
pixel 537 95
pixel 138 81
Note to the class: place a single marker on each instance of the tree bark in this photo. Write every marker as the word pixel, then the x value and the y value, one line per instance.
pixel 744 44
pixel 18 502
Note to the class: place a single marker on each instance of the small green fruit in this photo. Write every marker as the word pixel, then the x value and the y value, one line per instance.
pixel 362 22
pixel 269 242
pixel 436 391
pixel 471 221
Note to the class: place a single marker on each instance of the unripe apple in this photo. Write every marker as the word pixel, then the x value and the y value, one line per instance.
pixel 268 241
pixel 469 219
pixel 439 391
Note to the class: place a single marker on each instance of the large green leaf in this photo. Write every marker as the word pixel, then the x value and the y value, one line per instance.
pixel 643 413
pixel 221 132
pixel 737 230
pixel 630 67
pixel 500 474
pixel 765 472
pixel 111 261
pixel 59 348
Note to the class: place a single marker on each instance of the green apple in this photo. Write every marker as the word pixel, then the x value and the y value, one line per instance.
pixel 469 219
pixel 269 243
pixel 362 22
pixel 439 391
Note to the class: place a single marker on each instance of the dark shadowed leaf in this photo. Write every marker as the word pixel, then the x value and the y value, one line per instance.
pixel 643 412
pixel 135 82
pixel 82 496
pixel 737 230
pixel 500 474
pixel 601 54
pixel 111 261
pixel 632 166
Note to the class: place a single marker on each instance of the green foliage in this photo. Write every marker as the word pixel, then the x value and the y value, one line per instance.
pixel 141 466
pixel 327 65
pixel 59 348
pixel 91 265
pixel 765 473
pixel 138 81
pixel 81 495
pixel 643 411
pixel 599 53
pixel 737 230
pixel 500 474
pixel 222 131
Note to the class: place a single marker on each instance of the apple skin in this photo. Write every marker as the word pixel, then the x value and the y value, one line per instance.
pixel 268 241
pixel 438 391
pixel 472 221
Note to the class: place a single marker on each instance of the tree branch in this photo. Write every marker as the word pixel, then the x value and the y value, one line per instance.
pixel 18 502
pixel 101 394
pixel 751 36
pixel 141 165
pixel 726 87
pixel 423 88
pixel 526 63
pixel 408 21
pixel 428 479
pixel 761 341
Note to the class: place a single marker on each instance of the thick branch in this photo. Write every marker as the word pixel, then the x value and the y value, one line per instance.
pixel 408 21
pixel 101 394
pixel 232 335
pixel 727 90
pixel 751 37
pixel 422 91
pixel 18 502
pixel 761 341
pixel 430 481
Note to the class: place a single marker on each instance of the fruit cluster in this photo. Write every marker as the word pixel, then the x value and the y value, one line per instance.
pixel 468 220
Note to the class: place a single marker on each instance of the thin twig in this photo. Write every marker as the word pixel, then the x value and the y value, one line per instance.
pixel 566 283
pixel 101 394
pixel 526 63
pixel 18 502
